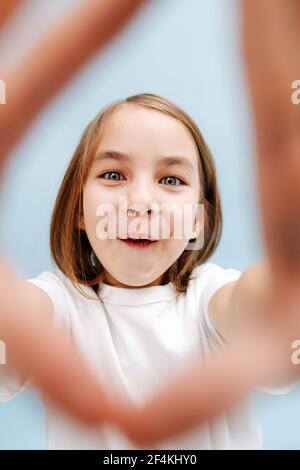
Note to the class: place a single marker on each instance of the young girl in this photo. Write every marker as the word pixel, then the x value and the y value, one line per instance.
pixel 138 310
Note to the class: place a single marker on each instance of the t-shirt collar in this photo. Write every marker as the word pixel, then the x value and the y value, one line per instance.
pixel 136 296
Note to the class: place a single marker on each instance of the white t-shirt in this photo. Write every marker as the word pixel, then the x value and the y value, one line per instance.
pixel 134 345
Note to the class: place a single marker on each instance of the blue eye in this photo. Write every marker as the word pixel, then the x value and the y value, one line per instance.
pixel 174 177
pixel 117 173
pixel 112 173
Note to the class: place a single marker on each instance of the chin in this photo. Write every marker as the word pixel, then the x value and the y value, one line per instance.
pixel 139 281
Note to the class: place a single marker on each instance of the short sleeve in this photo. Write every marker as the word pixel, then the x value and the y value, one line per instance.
pixel 11 382
pixel 53 285
pixel 210 278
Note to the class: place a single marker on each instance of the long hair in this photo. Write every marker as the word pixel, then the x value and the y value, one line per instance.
pixel 70 247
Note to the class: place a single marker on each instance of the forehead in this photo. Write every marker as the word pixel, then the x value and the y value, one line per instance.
pixel 134 129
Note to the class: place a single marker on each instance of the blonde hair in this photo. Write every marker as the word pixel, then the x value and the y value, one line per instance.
pixel 70 247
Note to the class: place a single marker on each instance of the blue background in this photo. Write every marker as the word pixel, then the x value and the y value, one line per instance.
pixel 188 52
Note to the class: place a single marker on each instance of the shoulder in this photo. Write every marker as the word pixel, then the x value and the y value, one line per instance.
pixel 66 299
pixel 206 280
pixel 55 280
pixel 210 276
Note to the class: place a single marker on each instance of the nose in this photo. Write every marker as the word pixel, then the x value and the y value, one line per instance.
pixel 141 199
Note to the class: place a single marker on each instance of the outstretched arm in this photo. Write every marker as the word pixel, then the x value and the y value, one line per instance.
pixel 270 35
pixel 46 354
pixel 271 38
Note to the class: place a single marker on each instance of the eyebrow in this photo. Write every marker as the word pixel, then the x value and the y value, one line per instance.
pixel 164 161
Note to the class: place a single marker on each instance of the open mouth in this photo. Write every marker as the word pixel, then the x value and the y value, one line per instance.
pixel 138 243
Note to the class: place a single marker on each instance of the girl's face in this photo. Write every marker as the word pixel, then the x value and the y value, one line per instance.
pixel 132 171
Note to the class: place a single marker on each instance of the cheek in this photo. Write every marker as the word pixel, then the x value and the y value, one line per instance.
pixel 90 203
pixel 171 250
pixel 92 198
pixel 100 213
pixel 95 195
pixel 179 219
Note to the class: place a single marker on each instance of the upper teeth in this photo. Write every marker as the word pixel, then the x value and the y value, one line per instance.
pixel 138 238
